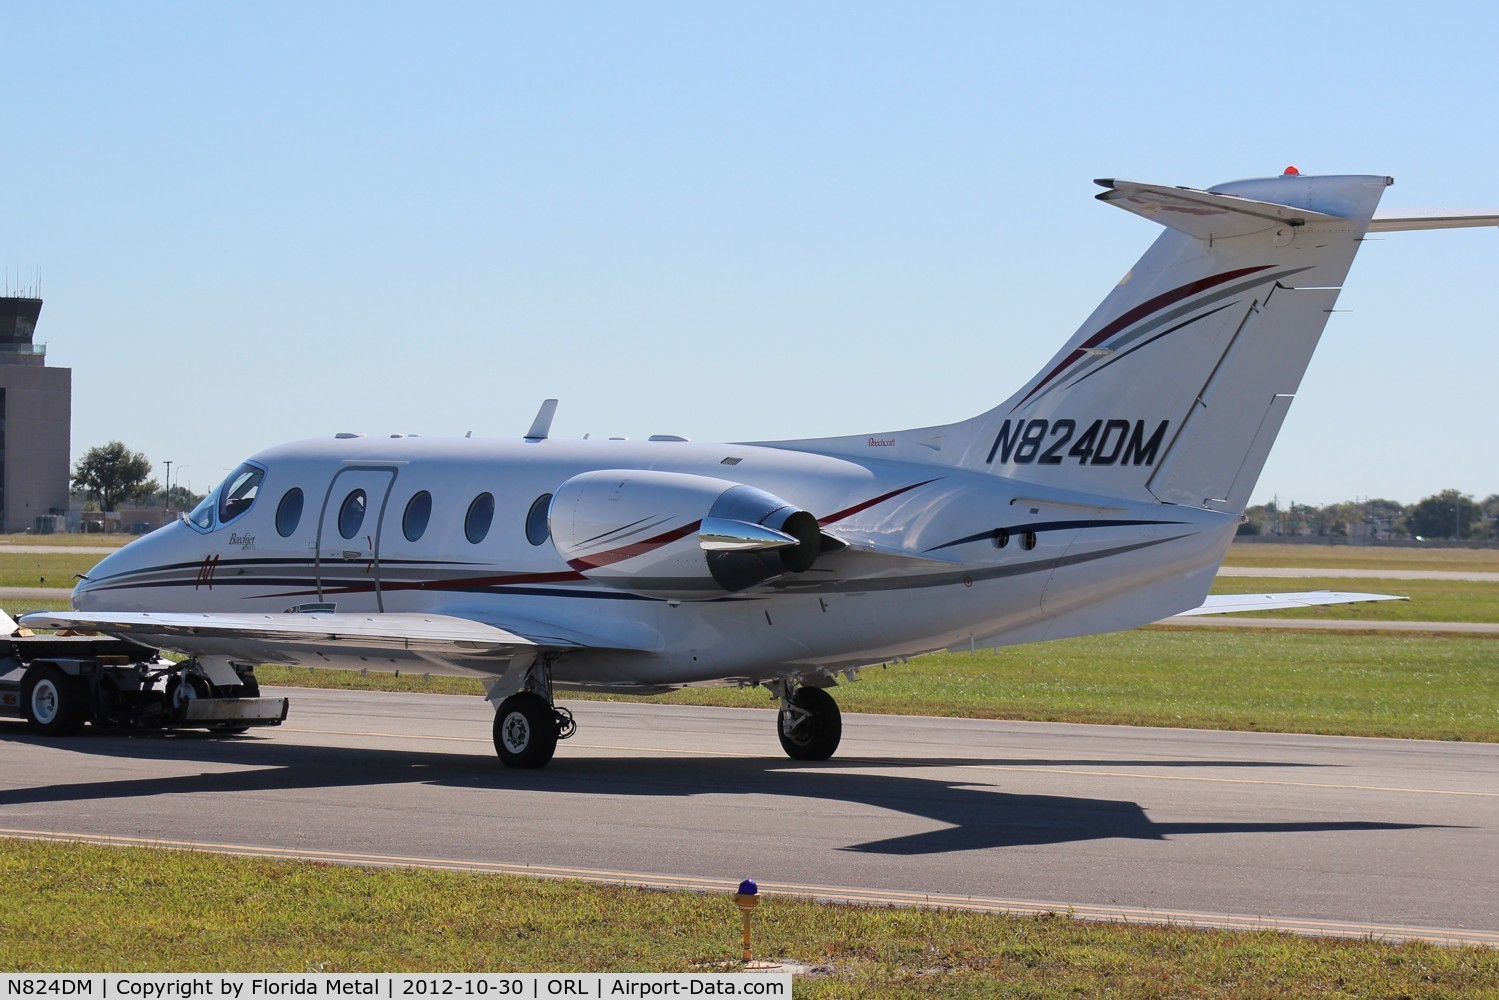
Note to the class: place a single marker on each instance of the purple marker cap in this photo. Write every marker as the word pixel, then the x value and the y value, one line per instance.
pixel 748 888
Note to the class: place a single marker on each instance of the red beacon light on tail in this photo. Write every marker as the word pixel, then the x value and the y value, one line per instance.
pixel 1291 172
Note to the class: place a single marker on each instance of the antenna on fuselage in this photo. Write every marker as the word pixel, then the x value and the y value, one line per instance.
pixel 542 425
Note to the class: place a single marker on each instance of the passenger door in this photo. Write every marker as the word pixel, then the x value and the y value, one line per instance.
pixel 348 537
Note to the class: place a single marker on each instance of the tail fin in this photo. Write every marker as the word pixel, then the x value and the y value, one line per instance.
pixel 1175 387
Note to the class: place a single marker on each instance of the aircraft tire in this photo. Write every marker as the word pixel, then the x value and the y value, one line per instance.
pixel 525 731
pixel 817 738
pixel 53 700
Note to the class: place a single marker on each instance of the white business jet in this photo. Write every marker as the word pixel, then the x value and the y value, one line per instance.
pixel 1100 496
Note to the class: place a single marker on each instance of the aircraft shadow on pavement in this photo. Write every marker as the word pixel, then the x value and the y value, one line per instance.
pixel 978 815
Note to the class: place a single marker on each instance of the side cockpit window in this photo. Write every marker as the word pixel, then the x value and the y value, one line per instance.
pixel 238 493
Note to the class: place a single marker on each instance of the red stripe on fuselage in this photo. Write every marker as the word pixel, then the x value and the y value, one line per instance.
pixel 823 522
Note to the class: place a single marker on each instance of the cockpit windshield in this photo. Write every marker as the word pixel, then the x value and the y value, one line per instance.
pixel 234 497
pixel 202 515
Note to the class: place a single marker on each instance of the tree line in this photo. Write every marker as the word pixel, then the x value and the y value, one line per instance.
pixel 1450 514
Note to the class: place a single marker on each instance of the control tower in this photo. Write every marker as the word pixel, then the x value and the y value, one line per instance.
pixel 36 421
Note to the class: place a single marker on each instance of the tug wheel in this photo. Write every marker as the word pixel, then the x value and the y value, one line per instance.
pixel 53 701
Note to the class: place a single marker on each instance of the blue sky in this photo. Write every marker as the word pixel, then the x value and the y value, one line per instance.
pixel 260 222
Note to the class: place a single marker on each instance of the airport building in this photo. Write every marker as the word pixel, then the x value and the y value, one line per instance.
pixel 36 419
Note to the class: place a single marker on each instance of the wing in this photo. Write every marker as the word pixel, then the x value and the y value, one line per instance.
pixel 439 643
pixel 1223 604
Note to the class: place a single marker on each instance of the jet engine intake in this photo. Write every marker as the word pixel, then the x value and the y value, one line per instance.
pixel 677 535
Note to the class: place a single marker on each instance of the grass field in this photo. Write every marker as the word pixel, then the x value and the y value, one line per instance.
pixel 18 608
pixel 72 907
pixel 1361 557
pixel 65 540
pixel 1409 686
pixel 37 569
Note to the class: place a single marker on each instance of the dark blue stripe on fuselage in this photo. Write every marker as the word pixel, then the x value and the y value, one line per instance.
pixel 1040 526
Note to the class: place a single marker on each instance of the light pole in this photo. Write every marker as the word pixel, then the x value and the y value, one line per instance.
pixel 179 475
pixel 167 501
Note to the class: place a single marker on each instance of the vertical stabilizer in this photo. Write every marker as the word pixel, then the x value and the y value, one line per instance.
pixel 1175 387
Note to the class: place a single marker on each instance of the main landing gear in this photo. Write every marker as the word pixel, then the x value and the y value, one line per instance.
pixel 809 723
pixel 527 725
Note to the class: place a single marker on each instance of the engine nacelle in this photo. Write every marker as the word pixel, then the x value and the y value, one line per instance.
pixel 676 535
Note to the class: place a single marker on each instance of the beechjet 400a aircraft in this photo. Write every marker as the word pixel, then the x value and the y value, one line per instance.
pixel 1100 496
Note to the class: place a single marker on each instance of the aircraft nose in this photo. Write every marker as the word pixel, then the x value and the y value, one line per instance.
pixel 79 598
pixel 85 591
pixel 107 586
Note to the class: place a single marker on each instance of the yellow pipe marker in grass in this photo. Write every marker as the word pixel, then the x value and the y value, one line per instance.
pixel 747 898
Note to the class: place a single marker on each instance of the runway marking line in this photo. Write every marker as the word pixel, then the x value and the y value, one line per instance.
pixel 974 767
pixel 836 894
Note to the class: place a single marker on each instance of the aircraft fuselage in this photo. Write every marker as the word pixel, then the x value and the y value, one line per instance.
pixel 915 557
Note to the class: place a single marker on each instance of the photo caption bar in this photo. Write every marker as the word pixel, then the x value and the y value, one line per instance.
pixel 391 986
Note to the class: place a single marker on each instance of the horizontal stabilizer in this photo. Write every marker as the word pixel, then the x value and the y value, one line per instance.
pixel 1223 604
pixel 1405 222
pixel 1204 214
